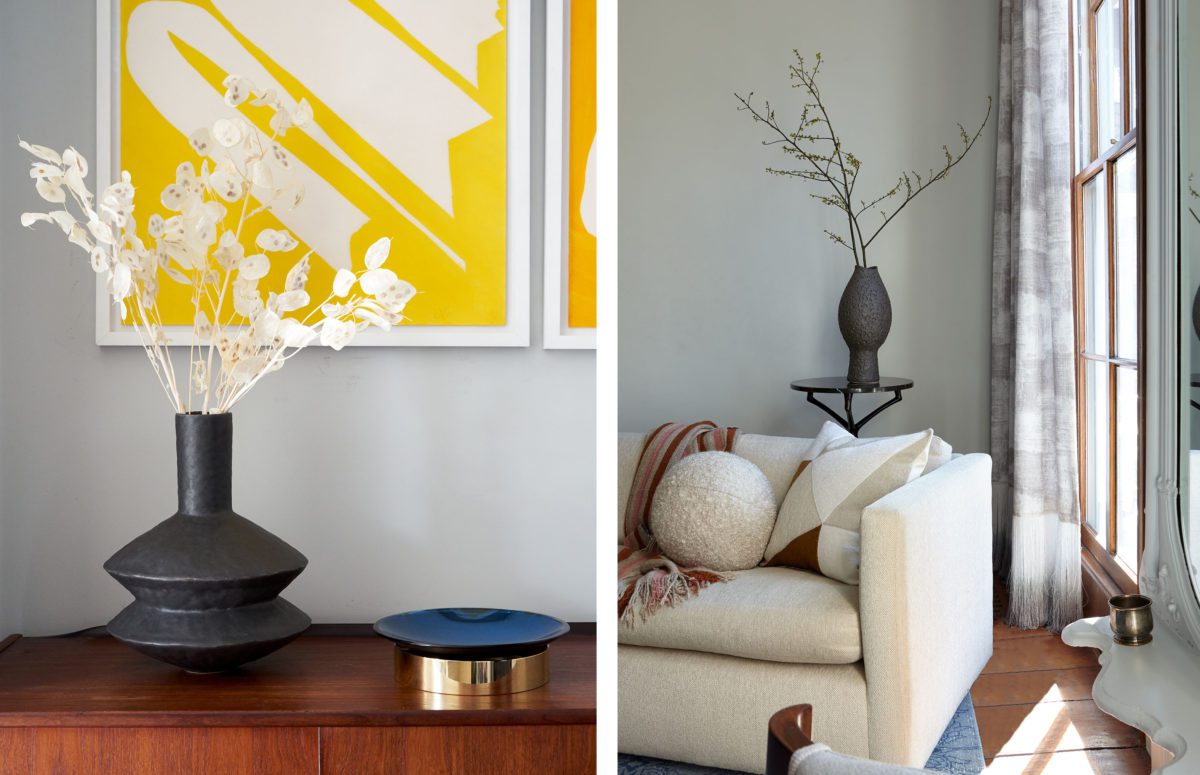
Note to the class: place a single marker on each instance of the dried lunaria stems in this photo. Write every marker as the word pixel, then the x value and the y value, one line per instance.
pixel 197 247
pixel 821 158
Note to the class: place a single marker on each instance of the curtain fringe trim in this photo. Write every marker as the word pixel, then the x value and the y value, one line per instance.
pixel 1045 584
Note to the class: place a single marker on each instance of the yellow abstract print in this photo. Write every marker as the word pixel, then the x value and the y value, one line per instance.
pixel 408 138
pixel 581 239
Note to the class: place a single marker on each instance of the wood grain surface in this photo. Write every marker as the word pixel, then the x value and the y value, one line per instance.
pixel 318 680
pixel 562 749
pixel 326 703
pixel 158 751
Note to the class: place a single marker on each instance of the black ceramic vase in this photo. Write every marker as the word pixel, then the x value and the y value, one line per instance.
pixel 864 317
pixel 1196 312
pixel 206 581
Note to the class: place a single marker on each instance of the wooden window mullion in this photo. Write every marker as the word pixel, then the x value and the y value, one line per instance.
pixel 1127 123
pixel 1087 162
pixel 1110 209
pixel 1094 151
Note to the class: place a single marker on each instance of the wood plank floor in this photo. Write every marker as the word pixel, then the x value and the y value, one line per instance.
pixel 1036 715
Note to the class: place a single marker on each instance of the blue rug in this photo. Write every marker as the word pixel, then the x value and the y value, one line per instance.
pixel 959 752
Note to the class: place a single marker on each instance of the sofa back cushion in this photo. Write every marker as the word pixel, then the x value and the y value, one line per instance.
pixel 778 456
pixel 629 449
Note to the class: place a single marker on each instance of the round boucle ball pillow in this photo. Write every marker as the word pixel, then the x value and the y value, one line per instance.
pixel 713 510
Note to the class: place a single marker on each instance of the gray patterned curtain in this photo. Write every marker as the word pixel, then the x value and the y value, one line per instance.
pixel 1035 466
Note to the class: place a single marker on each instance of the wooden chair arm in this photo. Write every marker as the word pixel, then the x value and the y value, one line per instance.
pixel 789 730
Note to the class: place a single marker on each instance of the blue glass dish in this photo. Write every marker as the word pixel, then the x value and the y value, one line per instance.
pixel 471 633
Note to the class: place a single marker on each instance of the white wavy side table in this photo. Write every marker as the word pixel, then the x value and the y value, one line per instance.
pixel 1155 687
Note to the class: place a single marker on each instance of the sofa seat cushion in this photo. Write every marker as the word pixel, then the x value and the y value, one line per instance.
pixel 776 614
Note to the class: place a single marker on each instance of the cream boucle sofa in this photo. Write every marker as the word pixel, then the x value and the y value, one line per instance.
pixel 884 664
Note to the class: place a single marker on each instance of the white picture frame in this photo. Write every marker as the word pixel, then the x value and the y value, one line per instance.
pixel 515 331
pixel 556 334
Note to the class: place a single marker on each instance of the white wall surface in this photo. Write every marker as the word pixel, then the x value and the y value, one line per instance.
pixel 728 288
pixel 409 477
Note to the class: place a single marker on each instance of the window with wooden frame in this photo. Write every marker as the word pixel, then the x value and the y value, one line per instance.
pixel 1107 249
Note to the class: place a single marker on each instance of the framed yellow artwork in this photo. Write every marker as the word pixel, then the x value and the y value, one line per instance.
pixel 570 241
pixel 420 132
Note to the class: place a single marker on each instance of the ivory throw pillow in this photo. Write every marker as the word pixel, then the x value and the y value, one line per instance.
pixel 940 453
pixel 819 523
pixel 834 436
pixel 713 510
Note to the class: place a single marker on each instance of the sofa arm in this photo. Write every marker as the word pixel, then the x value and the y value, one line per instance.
pixel 925 605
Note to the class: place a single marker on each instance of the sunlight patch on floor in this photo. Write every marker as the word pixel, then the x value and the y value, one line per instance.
pixel 1047 727
pixel 1058 763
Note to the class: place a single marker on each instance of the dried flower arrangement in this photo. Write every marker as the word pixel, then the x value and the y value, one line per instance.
pixel 196 247
pixel 823 159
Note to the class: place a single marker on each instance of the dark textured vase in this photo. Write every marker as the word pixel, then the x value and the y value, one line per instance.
pixel 206 581
pixel 1196 312
pixel 864 317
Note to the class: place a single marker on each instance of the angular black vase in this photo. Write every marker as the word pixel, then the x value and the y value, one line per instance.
pixel 206 581
pixel 1196 312
pixel 865 318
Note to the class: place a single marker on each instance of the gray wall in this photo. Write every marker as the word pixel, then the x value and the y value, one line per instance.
pixel 410 477
pixel 728 288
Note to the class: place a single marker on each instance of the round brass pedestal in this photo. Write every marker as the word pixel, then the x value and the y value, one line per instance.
pixel 507 675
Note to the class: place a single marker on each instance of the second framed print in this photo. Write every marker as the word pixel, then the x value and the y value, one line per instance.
pixel 570 242
pixel 419 132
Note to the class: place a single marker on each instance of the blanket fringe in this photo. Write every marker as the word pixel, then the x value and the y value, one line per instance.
pixel 660 588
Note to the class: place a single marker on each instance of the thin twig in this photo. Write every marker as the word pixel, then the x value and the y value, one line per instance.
pixel 842 163
pixel 939 176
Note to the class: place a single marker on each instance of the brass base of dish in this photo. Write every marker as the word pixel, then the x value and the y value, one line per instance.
pixel 507 675
pixel 1133 640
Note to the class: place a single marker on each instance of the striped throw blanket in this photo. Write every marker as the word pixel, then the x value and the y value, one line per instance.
pixel 647 580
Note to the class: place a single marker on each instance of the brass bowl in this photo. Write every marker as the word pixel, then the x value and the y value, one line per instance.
pixel 504 675
pixel 1130 619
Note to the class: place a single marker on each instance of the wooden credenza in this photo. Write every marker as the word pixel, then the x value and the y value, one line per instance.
pixel 326 703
